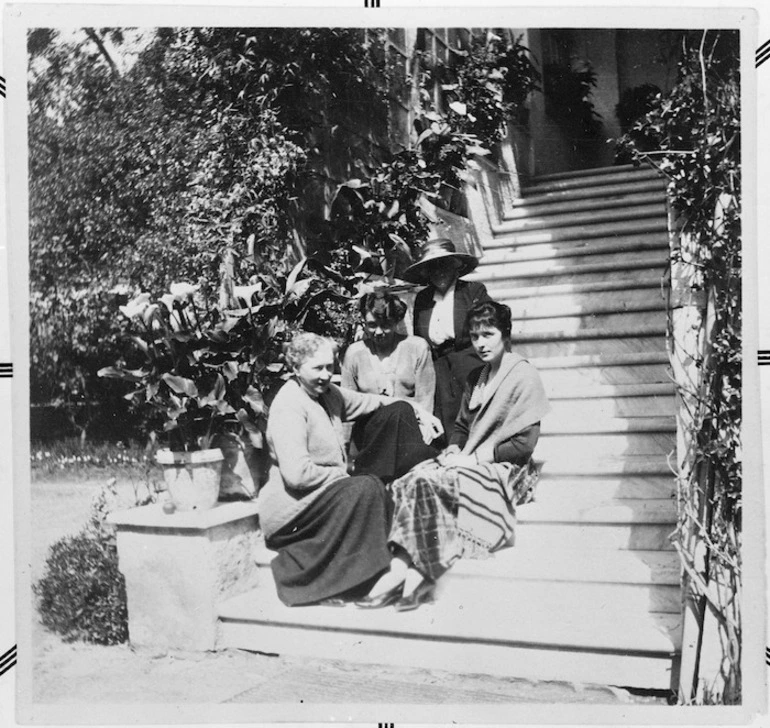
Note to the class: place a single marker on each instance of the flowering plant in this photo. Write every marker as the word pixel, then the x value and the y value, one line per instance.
pixel 205 361
pixel 195 371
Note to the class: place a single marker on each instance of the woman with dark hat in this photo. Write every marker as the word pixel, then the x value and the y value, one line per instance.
pixel 440 317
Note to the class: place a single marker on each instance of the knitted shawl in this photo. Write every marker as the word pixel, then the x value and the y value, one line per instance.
pixel 513 400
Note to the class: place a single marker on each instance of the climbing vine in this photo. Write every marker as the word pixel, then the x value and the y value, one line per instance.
pixel 696 128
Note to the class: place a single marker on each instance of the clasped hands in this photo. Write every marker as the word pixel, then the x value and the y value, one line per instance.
pixel 452 457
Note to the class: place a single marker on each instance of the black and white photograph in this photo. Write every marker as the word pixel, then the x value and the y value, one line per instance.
pixel 371 371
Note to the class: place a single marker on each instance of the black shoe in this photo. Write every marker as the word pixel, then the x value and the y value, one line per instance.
pixel 423 593
pixel 382 600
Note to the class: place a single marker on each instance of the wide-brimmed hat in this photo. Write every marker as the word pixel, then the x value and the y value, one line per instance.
pixel 438 249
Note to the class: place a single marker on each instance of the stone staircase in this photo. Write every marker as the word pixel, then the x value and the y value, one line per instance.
pixel 590 593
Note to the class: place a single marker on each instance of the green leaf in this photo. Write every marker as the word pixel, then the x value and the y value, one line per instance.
pixel 180 385
pixel 254 399
pixel 128 375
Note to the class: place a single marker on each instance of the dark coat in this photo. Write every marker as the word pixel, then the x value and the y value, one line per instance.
pixel 467 295
pixel 453 363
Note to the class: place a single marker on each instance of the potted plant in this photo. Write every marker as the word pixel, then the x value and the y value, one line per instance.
pixel 196 379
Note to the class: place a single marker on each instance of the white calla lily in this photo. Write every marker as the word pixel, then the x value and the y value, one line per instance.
pixel 246 293
pixel 136 306
pixel 168 301
pixel 183 290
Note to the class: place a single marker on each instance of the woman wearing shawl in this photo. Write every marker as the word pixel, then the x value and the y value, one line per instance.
pixel 463 503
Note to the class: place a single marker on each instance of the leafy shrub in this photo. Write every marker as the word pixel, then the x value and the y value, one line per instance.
pixel 82 595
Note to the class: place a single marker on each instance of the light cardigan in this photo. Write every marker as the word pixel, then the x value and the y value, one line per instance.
pixel 307 448
pixel 411 374
pixel 512 401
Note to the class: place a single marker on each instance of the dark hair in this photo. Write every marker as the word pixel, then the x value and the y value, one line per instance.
pixel 382 305
pixel 492 314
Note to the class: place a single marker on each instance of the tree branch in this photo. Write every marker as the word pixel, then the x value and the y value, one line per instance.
pixel 93 35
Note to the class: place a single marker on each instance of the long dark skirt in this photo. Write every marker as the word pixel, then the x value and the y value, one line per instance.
pixel 389 442
pixel 452 370
pixel 338 544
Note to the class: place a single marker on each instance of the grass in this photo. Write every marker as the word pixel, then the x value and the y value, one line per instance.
pixel 88 460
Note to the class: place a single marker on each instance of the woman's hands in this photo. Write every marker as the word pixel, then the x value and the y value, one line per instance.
pixel 452 457
pixel 430 426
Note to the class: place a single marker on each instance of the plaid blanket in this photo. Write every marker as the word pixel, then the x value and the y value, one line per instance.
pixel 443 514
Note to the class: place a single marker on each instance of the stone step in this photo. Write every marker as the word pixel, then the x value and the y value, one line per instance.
pixel 501 634
pixel 641 511
pixel 565 280
pixel 594 392
pixel 577 194
pixel 580 379
pixel 591 326
pixel 591 172
pixel 583 464
pixel 639 599
pixel 600 488
pixel 566 269
pixel 574 248
pixel 650 279
pixel 574 445
pixel 533 207
pixel 540 349
pixel 584 536
pixel 600 408
pixel 549 219
pixel 578 426
pixel 603 302
pixel 547 563
pixel 610 180
pixel 507 233
pixel 633 356
pixel 642 581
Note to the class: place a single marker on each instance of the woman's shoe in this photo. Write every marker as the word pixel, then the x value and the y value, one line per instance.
pixel 331 602
pixel 382 600
pixel 423 593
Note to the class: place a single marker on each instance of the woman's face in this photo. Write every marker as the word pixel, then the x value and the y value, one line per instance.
pixel 315 373
pixel 442 273
pixel 489 343
pixel 381 332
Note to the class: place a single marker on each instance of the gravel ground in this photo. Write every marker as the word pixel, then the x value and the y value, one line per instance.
pixel 81 674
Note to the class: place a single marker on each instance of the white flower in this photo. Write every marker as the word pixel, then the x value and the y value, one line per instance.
pixel 183 290
pixel 245 293
pixel 168 301
pixel 136 307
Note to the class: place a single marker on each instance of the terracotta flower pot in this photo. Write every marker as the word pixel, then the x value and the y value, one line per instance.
pixel 192 478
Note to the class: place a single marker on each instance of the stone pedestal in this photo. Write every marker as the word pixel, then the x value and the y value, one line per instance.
pixel 179 566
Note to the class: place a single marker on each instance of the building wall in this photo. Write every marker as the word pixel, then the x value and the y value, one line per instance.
pixel 622 59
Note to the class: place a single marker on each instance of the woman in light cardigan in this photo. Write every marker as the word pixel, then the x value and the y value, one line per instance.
pixel 463 504
pixel 330 529
pixel 386 362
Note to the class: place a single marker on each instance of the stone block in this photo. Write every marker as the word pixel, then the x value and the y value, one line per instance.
pixel 179 566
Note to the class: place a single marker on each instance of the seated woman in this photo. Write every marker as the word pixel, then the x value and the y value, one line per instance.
pixel 464 503
pixel 330 529
pixel 389 363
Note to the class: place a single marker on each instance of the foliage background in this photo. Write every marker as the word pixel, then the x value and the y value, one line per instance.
pixel 195 154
